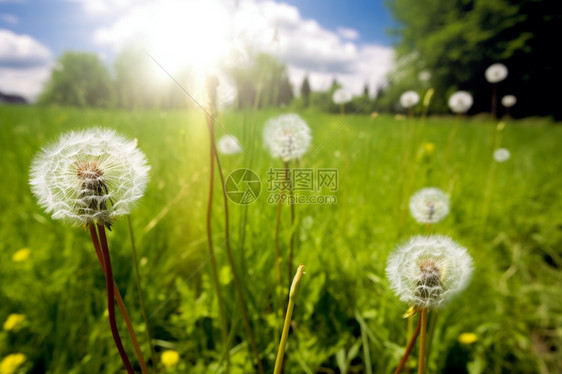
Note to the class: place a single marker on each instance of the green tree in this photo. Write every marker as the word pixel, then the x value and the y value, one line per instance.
pixel 305 91
pixel 457 40
pixel 78 79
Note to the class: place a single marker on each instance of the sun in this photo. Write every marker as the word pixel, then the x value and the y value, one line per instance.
pixel 192 35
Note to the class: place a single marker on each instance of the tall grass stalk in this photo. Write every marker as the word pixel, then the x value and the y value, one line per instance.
pixel 139 290
pixel 120 302
pixel 295 286
pixel 237 286
pixel 222 312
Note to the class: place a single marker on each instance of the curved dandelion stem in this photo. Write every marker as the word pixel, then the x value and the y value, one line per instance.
pixel 110 284
pixel 409 348
pixel 421 358
pixel 288 316
pixel 139 289
pixel 120 302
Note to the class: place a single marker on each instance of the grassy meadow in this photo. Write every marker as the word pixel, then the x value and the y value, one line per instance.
pixel 346 320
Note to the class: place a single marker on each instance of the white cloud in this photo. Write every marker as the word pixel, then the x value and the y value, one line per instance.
pixel 9 18
pixel 192 30
pixel 346 33
pixel 24 64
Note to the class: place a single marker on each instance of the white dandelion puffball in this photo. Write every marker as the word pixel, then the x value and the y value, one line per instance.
pixel 424 76
pixel 501 155
pixel 508 101
pixel 89 176
pixel 409 99
pixel 460 102
pixel 429 205
pixel 496 73
pixel 341 96
pixel 427 271
pixel 287 136
pixel 229 145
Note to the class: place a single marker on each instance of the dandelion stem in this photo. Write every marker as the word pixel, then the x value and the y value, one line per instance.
pixel 110 284
pixel 421 358
pixel 409 348
pixel 288 316
pixel 120 302
pixel 278 288
pixel 291 203
pixel 229 252
pixel 222 313
pixel 141 295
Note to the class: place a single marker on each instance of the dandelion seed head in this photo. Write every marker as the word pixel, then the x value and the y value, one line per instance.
pixel 427 271
pixel 229 145
pixel 496 73
pixel 287 136
pixel 460 102
pixel 89 176
pixel 508 101
pixel 502 154
pixel 341 96
pixel 409 99
pixel 429 205
pixel 424 76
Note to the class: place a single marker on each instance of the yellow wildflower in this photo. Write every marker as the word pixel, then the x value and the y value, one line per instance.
pixel 170 358
pixel 13 322
pixel 11 363
pixel 21 255
pixel 467 338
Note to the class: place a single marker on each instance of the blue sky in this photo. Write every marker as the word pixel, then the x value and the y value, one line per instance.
pixel 326 39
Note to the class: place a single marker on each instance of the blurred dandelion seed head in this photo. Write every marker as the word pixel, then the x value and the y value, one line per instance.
pixel 502 154
pixel 429 205
pixel 409 99
pixel 13 322
pixel 424 76
pixel 287 136
pixel 496 73
pixel 460 102
pixel 229 145
pixel 170 358
pixel 90 176
pixel 426 271
pixel 508 101
pixel 11 363
pixel 341 96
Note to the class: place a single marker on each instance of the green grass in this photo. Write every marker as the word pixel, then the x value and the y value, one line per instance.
pixel 342 318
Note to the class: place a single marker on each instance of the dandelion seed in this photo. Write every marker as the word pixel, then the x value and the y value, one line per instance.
pixel 460 102
pixel 508 101
pixel 341 96
pixel 502 154
pixel 21 255
pixel 229 145
pixel 11 363
pixel 409 99
pixel 13 322
pixel 427 271
pixel 429 205
pixel 287 136
pixel 424 76
pixel 90 176
pixel 170 358
pixel 496 73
